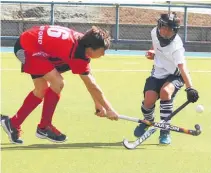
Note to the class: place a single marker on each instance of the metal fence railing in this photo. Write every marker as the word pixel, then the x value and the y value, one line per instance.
pixel 126 22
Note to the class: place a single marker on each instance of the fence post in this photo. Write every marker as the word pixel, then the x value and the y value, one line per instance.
pixel 169 7
pixel 20 27
pixel 52 13
pixel 185 24
pixel 117 24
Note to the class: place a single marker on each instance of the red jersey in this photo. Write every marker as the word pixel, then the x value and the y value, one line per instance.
pixel 51 41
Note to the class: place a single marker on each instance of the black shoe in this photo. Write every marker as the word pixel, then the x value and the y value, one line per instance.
pixel 3 117
pixel 13 133
pixel 51 133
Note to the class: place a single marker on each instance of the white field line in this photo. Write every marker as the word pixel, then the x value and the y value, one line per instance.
pixel 114 70
pixel 136 56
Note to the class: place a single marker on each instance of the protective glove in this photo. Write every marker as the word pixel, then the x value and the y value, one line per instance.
pixel 192 95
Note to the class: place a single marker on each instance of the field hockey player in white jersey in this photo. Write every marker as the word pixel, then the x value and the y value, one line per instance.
pixel 168 75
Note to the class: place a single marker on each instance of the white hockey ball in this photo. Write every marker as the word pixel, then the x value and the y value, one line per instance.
pixel 199 108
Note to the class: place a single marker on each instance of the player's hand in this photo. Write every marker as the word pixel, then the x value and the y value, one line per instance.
pixel 112 115
pixel 192 95
pixel 100 111
pixel 150 54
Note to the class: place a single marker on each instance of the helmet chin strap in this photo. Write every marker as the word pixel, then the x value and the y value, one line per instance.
pixel 164 41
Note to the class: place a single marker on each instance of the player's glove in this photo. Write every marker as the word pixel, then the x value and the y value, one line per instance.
pixel 150 54
pixel 192 95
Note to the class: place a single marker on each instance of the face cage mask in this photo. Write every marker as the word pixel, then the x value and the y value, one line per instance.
pixel 164 41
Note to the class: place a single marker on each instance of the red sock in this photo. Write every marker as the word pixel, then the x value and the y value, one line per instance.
pixel 50 101
pixel 29 104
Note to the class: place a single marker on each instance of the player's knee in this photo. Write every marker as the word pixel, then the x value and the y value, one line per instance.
pixel 41 90
pixel 57 85
pixel 165 93
pixel 145 106
pixel 150 97
pixel 148 103
pixel 61 84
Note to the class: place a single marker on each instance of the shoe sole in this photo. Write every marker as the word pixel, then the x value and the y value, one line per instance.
pixel 164 144
pixel 8 133
pixel 45 137
pixel 160 143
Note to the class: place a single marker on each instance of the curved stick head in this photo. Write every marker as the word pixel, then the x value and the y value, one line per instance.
pixel 128 145
pixel 198 129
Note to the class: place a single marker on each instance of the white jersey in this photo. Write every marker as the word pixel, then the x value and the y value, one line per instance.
pixel 167 58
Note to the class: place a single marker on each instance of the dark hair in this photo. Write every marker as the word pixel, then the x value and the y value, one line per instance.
pixel 95 38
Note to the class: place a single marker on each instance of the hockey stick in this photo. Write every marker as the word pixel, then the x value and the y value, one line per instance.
pixel 164 126
pixel 148 133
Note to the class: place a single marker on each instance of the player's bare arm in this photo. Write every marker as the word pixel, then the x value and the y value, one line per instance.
pixel 98 96
pixel 100 110
pixel 185 75
pixel 192 94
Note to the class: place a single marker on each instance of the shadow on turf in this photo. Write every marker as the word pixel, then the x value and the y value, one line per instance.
pixel 5 143
pixel 67 146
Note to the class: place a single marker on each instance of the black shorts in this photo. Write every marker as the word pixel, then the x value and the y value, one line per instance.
pixel 19 52
pixel 154 84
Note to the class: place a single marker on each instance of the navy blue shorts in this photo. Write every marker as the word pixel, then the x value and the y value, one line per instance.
pixel 154 84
